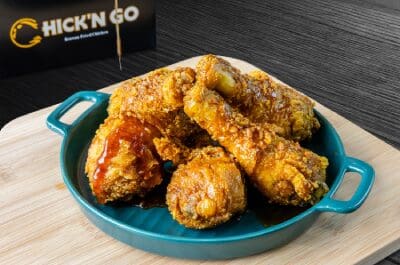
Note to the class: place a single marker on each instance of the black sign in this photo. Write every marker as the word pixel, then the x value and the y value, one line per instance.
pixel 40 34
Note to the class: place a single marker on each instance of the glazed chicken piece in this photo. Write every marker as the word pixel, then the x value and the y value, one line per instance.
pixel 122 161
pixel 157 99
pixel 281 169
pixel 207 191
pixel 260 99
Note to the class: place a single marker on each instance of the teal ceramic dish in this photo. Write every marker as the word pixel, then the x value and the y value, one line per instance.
pixel 155 231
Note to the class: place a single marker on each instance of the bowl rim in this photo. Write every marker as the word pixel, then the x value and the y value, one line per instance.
pixel 182 239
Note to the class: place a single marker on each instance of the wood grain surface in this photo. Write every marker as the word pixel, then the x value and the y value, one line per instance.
pixel 343 53
pixel 41 223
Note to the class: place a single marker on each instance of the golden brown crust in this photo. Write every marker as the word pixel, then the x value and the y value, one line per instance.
pixel 259 98
pixel 122 161
pixel 207 191
pixel 146 116
pixel 157 99
pixel 170 150
pixel 282 170
pixel 140 109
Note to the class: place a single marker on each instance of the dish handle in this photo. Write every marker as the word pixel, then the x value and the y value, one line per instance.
pixel 328 204
pixel 53 120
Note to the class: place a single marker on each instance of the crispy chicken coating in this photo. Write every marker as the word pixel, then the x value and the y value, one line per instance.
pixel 173 150
pixel 281 169
pixel 170 150
pixel 259 98
pixel 122 161
pixel 157 99
pixel 207 191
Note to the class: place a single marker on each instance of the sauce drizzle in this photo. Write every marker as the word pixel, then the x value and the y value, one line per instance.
pixel 140 136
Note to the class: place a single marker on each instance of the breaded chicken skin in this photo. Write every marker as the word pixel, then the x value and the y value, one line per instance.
pixel 259 98
pixel 207 191
pixel 281 169
pixel 122 161
pixel 156 98
pixel 139 110
pixel 174 151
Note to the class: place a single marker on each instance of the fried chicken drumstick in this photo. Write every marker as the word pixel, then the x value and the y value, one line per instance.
pixel 259 98
pixel 282 170
pixel 207 188
pixel 157 99
pixel 122 161
pixel 206 191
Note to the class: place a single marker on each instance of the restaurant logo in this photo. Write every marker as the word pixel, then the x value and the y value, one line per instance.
pixel 74 24
pixel 18 25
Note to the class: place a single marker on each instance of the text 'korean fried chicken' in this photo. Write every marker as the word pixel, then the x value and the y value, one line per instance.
pixel 207 191
pixel 122 161
pixel 259 98
pixel 282 170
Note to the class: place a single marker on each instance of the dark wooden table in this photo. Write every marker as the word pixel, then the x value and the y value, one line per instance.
pixel 344 54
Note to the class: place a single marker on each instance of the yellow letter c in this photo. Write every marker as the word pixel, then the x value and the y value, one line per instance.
pixel 17 26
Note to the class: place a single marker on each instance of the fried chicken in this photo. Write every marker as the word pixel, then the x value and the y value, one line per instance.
pixel 156 117
pixel 157 99
pixel 259 98
pixel 122 161
pixel 282 170
pixel 140 110
pixel 170 150
pixel 173 150
pixel 207 191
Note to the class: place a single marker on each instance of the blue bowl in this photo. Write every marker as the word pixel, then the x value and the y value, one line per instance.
pixel 155 231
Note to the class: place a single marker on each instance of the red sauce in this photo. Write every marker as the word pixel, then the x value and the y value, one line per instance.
pixel 140 136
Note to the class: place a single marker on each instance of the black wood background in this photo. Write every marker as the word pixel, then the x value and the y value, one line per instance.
pixel 343 53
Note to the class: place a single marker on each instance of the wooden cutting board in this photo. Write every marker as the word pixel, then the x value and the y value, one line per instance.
pixel 41 223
